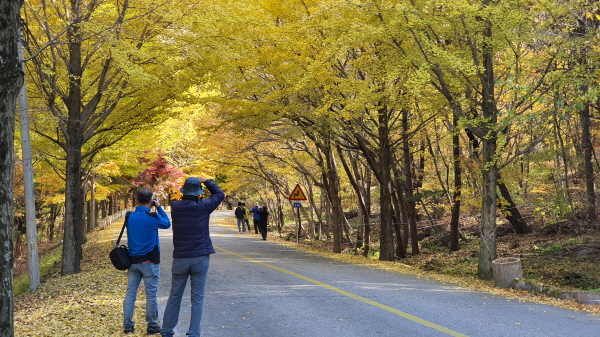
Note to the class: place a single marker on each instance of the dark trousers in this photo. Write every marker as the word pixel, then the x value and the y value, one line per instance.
pixel 262 228
pixel 256 226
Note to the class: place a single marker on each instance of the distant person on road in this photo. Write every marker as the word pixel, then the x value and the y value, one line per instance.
pixel 264 221
pixel 246 216
pixel 255 217
pixel 144 250
pixel 191 251
pixel 239 215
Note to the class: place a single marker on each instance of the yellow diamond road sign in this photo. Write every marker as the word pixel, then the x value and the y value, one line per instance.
pixel 297 194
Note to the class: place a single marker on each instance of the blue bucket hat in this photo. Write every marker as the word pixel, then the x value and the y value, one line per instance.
pixel 191 187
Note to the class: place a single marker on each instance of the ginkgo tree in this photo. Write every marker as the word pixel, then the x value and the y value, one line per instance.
pixel 95 67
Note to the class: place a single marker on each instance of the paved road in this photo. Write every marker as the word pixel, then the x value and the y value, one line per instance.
pixel 258 288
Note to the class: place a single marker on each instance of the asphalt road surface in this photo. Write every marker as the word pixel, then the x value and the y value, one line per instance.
pixel 260 288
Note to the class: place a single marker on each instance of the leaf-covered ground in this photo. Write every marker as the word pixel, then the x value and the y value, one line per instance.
pixel 85 304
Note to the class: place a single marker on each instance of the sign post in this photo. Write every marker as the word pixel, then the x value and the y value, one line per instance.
pixel 297 195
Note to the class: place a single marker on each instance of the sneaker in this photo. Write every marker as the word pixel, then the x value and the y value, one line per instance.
pixel 153 330
pixel 128 330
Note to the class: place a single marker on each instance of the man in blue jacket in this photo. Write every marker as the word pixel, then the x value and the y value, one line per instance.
pixel 144 250
pixel 255 216
pixel 191 250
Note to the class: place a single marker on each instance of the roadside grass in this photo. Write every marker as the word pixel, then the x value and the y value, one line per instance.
pixel 84 304
pixel 48 262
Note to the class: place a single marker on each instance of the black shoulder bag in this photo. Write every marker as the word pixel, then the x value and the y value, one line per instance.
pixel 119 256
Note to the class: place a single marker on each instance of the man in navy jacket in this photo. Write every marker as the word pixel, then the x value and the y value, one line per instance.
pixel 191 250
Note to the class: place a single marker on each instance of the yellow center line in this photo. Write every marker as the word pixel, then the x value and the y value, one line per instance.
pixel 356 297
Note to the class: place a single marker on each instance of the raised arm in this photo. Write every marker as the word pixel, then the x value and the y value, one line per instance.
pixel 163 218
pixel 217 195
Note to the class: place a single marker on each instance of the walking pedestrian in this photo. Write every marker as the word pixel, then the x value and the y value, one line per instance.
pixel 246 216
pixel 192 247
pixel 239 215
pixel 144 250
pixel 264 221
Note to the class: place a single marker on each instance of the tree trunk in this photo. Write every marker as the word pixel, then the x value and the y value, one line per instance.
pixel 11 79
pixel 72 252
pixel 116 203
pixel 356 181
pixel 312 210
pixel 73 132
pixel 488 136
pixel 84 219
pixel 386 240
pixel 87 213
pixel 398 223
pixel 365 186
pixel 586 145
pixel 511 211
pixel 111 205
pixel 562 153
pixel 92 215
pixel 318 212
pixel 54 210
pixel 454 221
pixel 408 182
pixel 487 251
pixel 328 217
pixel 280 219
pixel 333 193
pixel 402 204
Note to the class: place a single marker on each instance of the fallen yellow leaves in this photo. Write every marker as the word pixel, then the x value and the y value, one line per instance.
pixel 86 304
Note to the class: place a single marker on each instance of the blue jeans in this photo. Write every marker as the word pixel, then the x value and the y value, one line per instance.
pixel 197 269
pixel 150 272
pixel 241 225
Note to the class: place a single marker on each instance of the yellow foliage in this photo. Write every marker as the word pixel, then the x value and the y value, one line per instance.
pixel 109 168
pixel 101 192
